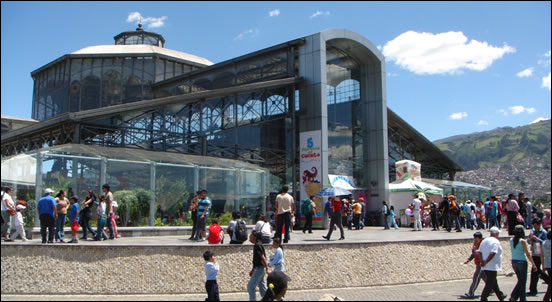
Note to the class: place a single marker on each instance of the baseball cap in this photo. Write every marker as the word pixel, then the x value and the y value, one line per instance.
pixel 48 191
pixel 495 230
pixel 20 207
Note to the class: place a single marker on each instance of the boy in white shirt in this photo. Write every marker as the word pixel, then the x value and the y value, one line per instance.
pixel 19 224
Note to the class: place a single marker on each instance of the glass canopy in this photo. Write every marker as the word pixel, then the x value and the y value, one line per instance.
pixel 152 188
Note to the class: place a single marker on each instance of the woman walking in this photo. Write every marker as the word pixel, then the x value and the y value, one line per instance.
pixel 86 215
pixel 520 254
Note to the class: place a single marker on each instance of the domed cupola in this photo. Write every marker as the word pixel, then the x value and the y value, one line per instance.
pixel 139 36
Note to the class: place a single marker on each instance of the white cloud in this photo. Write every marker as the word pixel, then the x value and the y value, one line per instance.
pixel 483 123
pixel 450 52
pixel 546 61
pixel 274 13
pixel 520 109
pixel 319 13
pixel 458 115
pixel 525 73
pixel 151 22
pixel 546 81
pixel 503 112
pixel 540 119
pixel 250 33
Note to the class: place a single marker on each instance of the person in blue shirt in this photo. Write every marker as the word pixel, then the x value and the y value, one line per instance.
pixel 74 219
pixel 202 214
pixel 47 213
pixel 536 239
pixel 211 272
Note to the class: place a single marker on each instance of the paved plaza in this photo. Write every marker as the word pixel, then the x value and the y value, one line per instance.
pixel 431 291
pixel 366 235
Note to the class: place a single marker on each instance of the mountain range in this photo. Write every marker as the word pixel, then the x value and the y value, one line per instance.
pixel 509 160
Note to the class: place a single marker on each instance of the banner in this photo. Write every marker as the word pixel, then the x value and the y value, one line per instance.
pixel 407 169
pixel 310 164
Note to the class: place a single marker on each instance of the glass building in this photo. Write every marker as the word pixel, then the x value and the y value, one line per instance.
pixel 235 128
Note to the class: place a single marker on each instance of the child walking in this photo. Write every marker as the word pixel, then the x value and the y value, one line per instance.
pixel 19 225
pixel 74 218
pixel 277 259
pixel 211 273
pixel 392 222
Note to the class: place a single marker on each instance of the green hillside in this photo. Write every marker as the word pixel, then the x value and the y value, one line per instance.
pixel 501 145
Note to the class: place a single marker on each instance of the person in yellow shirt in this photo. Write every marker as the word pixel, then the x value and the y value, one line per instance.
pixel 357 213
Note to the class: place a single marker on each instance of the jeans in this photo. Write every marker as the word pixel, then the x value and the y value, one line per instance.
pixel 520 268
pixel 417 220
pixel 194 227
pixel 386 222
pixel 257 279
pixel 60 224
pixel 477 276
pixel 356 220
pixel 492 221
pixel 434 221
pixel 308 223
pixel 547 295
pixel 200 226
pixel 283 219
pixel 529 221
pixel 100 233
pixel 512 222
pixel 393 222
pixel 212 289
pixel 336 220
pixel 491 285
pixel 109 224
pixel 47 221
pixel 454 218
pixel 85 224
pixel 535 275
pixel 6 226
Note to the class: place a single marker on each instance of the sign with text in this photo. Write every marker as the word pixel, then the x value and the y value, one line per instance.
pixel 310 164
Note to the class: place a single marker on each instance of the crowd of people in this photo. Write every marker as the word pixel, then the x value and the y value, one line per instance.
pixel 516 215
pixel 451 214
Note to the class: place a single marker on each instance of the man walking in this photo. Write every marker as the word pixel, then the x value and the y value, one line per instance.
pixel 490 253
pixel 47 213
pixel 203 205
pixel 385 212
pixel 537 238
pixel 336 219
pixel 7 207
pixel 108 196
pixel 417 207
pixel 308 207
pixel 284 210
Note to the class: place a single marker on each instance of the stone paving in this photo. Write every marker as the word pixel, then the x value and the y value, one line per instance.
pixel 431 291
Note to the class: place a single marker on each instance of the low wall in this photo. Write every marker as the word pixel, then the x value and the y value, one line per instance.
pixel 89 269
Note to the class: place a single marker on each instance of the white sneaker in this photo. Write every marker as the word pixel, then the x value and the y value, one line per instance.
pixel 25 239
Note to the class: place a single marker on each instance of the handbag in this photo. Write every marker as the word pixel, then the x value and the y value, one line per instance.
pixel 520 218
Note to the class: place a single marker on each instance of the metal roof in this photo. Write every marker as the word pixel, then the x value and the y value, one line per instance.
pixel 142 49
pixel 416 138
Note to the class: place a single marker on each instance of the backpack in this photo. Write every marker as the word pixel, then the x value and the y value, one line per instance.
pixel 306 207
pixel 241 231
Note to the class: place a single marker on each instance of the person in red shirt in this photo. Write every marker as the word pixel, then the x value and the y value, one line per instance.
pixel 336 218
pixel 216 233
pixel 478 274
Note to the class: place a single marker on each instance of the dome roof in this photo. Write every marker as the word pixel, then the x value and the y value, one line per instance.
pixel 142 49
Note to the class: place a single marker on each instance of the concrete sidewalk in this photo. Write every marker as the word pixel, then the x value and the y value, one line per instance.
pixel 431 291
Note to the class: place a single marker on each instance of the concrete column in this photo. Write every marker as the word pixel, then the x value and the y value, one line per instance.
pixel 153 169
pixel 39 191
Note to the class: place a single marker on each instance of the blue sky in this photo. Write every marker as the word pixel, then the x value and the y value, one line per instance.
pixel 452 67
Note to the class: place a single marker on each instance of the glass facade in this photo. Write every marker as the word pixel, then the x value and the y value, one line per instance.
pixel 345 142
pixel 150 188
pixel 78 84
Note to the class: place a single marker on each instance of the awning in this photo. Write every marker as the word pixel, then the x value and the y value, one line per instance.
pixel 342 182
pixel 410 185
